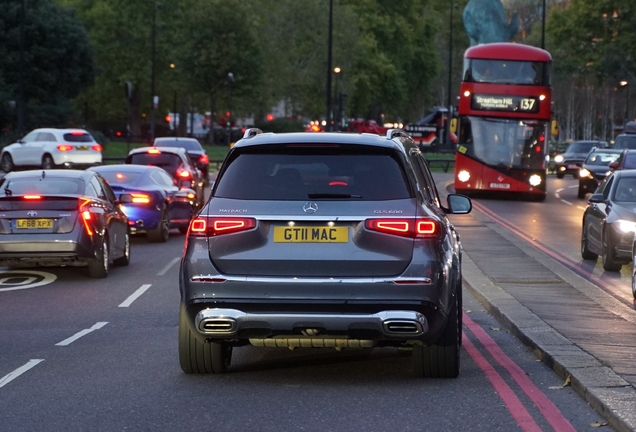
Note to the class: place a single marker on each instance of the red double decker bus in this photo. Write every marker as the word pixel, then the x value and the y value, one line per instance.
pixel 504 112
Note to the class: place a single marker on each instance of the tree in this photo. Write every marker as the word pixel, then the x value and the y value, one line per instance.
pixel 58 61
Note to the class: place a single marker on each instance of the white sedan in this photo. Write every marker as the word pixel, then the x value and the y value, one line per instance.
pixel 51 148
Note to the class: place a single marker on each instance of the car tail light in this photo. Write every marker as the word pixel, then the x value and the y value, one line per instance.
pixel 154 151
pixel 32 197
pixel 204 159
pixel 414 228
pixel 65 147
pixel 140 198
pixel 97 147
pixel 204 226
pixel 183 173
pixel 86 214
pixel 77 133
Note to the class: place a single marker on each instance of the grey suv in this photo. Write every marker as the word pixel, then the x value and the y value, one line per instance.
pixel 323 241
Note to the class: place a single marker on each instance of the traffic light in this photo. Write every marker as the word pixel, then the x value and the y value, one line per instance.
pixel 270 117
pixel 168 118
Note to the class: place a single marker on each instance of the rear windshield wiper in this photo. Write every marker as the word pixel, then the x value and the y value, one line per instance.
pixel 332 195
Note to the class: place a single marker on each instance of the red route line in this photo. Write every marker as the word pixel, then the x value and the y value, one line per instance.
pixel 567 262
pixel 551 413
pixel 507 395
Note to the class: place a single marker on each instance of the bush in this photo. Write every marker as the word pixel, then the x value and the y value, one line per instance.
pixel 281 125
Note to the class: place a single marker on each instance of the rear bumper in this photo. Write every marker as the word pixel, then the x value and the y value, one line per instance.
pixel 35 251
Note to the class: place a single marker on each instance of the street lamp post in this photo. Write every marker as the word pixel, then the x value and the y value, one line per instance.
pixel 153 98
pixel 329 125
pixel 230 82
pixel 447 140
pixel 336 116
pixel 625 84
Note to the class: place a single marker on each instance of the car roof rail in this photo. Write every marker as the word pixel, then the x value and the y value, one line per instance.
pixel 392 133
pixel 249 133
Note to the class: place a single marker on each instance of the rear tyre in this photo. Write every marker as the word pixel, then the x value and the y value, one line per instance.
pixel 633 275
pixel 162 232
pixel 586 254
pixel 196 357
pixel 608 255
pixel 124 260
pixel 560 175
pixel 47 162
pixel 183 229
pixel 99 267
pixel 442 359
pixel 6 163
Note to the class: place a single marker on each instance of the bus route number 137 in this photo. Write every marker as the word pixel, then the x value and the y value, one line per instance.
pixel 527 104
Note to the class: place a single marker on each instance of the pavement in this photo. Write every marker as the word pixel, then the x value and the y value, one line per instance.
pixel 584 334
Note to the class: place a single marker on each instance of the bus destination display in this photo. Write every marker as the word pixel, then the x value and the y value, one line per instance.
pixel 504 103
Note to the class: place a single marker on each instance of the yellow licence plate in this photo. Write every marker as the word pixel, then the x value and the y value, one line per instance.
pixel 309 234
pixel 82 147
pixel 34 223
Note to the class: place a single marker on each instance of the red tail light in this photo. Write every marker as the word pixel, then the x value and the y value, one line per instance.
pixel 183 174
pixel 65 147
pixel 32 197
pixel 97 147
pixel 204 226
pixel 413 228
pixel 140 198
pixel 86 214
pixel 77 133
pixel 204 159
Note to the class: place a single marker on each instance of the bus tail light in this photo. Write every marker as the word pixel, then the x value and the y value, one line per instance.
pixel 413 228
pixel 213 226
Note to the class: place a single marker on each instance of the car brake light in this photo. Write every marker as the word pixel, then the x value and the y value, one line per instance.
pixel 77 133
pixel 413 228
pixel 86 215
pixel 64 147
pixel 184 174
pixel 204 159
pixel 140 198
pixel 203 226
pixel 32 197
pixel 154 151
pixel 97 147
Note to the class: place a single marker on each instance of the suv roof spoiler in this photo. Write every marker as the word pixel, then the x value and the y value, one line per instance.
pixel 392 133
pixel 249 133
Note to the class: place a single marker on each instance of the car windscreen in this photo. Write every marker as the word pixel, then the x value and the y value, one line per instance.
pixel 41 186
pixel 168 161
pixel 580 147
pixel 120 177
pixel 601 158
pixel 186 144
pixel 314 173
pixel 625 142
pixel 75 137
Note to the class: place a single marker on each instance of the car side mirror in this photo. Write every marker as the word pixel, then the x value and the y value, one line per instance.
pixel 459 204
pixel 613 165
pixel 597 198
pixel 125 198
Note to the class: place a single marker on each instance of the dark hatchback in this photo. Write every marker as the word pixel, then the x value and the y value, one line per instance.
pixel 323 240
pixel 595 168
pixel 609 221
pixel 176 162
pixel 194 148
pixel 54 218
pixel 571 160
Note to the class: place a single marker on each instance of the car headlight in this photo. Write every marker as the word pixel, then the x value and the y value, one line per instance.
pixel 558 158
pixel 584 173
pixel 626 226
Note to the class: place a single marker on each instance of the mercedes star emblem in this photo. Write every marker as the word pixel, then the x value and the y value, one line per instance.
pixel 310 207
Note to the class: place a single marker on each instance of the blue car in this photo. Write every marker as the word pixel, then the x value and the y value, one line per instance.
pixel 152 201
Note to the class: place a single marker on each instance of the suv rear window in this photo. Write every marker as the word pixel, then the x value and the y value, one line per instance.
pixel 581 147
pixel 76 137
pixel 168 161
pixel 313 173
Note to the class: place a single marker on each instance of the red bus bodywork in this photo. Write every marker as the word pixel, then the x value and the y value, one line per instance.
pixel 504 105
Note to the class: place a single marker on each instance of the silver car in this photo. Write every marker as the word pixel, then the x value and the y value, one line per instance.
pixel 323 240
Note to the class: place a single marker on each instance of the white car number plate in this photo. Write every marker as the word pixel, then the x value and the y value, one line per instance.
pixel 500 185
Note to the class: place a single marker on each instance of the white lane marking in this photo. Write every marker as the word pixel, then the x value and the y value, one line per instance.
pixel 566 202
pixel 579 207
pixel 135 295
pixel 557 193
pixel 76 336
pixel 170 264
pixel 24 279
pixel 19 371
